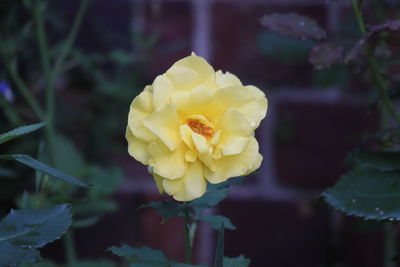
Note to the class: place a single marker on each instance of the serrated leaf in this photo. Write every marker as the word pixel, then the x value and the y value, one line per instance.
pixel 215 221
pixel 20 131
pixel 219 253
pixel 293 25
pixel 240 261
pixel 40 166
pixel 367 193
pixel 378 160
pixel 140 255
pixel 12 255
pixel 326 55
pixel 23 231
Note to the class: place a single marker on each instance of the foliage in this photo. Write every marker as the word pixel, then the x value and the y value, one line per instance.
pixel 22 232
pixel 146 256
pixel 371 189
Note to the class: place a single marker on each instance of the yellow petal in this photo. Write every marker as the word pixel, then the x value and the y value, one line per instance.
pixel 229 97
pixel 166 163
pixel 232 166
pixel 200 142
pixel 194 181
pixel 162 91
pixel 234 145
pixel 190 72
pixel 215 138
pixel 165 125
pixel 136 147
pixel 234 122
pixel 191 186
pixel 186 135
pixel 226 79
pixel 190 156
pixel 159 183
pixel 140 108
pixel 256 110
pixel 194 101
pixel 183 78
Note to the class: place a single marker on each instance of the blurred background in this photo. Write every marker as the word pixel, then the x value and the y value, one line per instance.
pixel 315 118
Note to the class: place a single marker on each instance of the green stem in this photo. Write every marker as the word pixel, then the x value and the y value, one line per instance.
pixel 379 81
pixel 70 248
pixel 188 242
pixel 390 244
pixel 359 17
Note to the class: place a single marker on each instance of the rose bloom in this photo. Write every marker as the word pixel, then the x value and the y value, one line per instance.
pixel 194 125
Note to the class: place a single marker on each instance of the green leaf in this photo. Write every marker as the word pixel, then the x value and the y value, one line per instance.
pixel 20 131
pixel 167 209
pixel 209 199
pixel 219 253
pixel 378 160
pixel 367 193
pixel 23 231
pixel 140 255
pixel 240 261
pixel 215 221
pixel 12 255
pixel 40 166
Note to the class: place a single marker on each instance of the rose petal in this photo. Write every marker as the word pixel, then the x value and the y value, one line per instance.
pixel 165 125
pixel 136 147
pixel 226 79
pixel 192 185
pixel 236 165
pixel 162 91
pixel 166 163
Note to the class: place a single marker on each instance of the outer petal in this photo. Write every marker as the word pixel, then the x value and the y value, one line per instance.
pixel 165 125
pixel 159 183
pixel 232 166
pixel 166 163
pixel 256 110
pixel 140 108
pixel 192 185
pixel 236 132
pixel 226 79
pixel 137 148
pixel 162 91
pixel 250 100
pixel 189 72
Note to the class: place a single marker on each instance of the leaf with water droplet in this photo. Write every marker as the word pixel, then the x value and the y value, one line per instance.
pixel 376 198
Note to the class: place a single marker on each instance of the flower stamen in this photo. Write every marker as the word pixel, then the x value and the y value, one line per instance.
pixel 199 127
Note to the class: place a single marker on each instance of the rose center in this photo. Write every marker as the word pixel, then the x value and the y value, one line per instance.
pixel 201 128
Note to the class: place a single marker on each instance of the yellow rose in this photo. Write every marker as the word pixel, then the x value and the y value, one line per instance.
pixel 194 125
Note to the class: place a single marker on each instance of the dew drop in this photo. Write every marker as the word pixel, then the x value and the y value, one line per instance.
pixel 354 200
